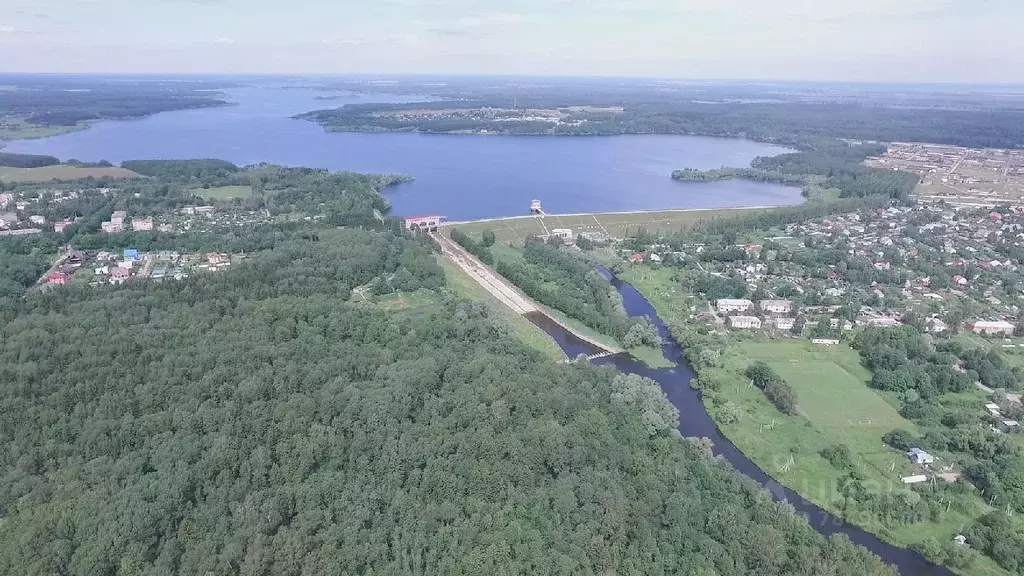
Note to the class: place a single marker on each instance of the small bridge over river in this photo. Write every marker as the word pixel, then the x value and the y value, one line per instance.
pixel 506 292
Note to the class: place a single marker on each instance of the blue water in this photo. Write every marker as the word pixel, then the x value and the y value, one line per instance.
pixel 461 177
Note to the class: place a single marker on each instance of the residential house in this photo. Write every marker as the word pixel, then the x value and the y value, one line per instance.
pixel 655 258
pixel 6 198
pixel 637 258
pixel 112 228
pixel 142 225
pixel 126 264
pixel 918 456
pixel 784 323
pixel 102 270
pixel 131 254
pixel 825 341
pixel 61 225
pixel 915 479
pixel 726 305
pixel 58 278
pixel 883 321
pixel 119 275
pixel 118 217
pixel 37 219
pixel 103 256
pixel 158 272
pixel 776 306
pixel 744 322
pixel 959 280
pixel 991 328
pixel 936 326
pixel 214 259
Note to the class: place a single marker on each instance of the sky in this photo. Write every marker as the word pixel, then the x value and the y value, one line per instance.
pixel 847 40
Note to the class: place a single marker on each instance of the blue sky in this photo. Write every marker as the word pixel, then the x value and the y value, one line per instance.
pixel 897 40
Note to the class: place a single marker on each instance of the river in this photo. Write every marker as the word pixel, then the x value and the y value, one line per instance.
pixel 460 177
pixel 694 421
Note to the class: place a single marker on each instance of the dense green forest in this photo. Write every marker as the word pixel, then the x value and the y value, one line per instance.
pixel 568 281
pixel 254 422
pixel 26 160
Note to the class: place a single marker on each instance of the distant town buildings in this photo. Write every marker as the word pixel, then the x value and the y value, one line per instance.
pixel 142 225
pixel 37 219
pixel 61 225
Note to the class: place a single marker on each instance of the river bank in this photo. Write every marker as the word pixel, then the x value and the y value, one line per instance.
pixel 766 438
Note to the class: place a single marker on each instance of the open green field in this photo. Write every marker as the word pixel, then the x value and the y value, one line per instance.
pixel 60 172
pixel 614 224
pixel 223 192
pixel 18 129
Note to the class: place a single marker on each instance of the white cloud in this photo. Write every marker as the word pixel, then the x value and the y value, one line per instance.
pixel 7 30
pixel 225 41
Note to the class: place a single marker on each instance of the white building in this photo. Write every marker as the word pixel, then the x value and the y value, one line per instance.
pixel 745 322
pixel 784 323
pixel 937 326
pixel 142 225
pixel 916 479
pixel 918 456
pixel 37 219
pixel 986 327
pixel 776 306
pixel 726 305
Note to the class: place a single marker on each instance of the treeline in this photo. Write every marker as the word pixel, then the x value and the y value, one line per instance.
pixel 255 422
pixel 182 170
pixel 777 390
pixel 479 249
pixel 566 281
pixel 26 160
pixel 754 174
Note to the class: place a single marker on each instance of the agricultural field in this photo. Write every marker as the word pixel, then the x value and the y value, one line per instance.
pixel 223 192
pixel 61 172
pixel 612 224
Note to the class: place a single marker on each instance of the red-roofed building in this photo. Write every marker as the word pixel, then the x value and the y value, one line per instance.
pixel 995 216
pixel 58 279
pixel 959 280
pixel 638 258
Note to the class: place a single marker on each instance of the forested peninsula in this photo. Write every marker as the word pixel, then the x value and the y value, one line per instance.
pixel 276 416
pixel 825 168
pixel 795 123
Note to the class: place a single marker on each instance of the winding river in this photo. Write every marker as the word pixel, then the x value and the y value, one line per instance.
pixel 694 421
